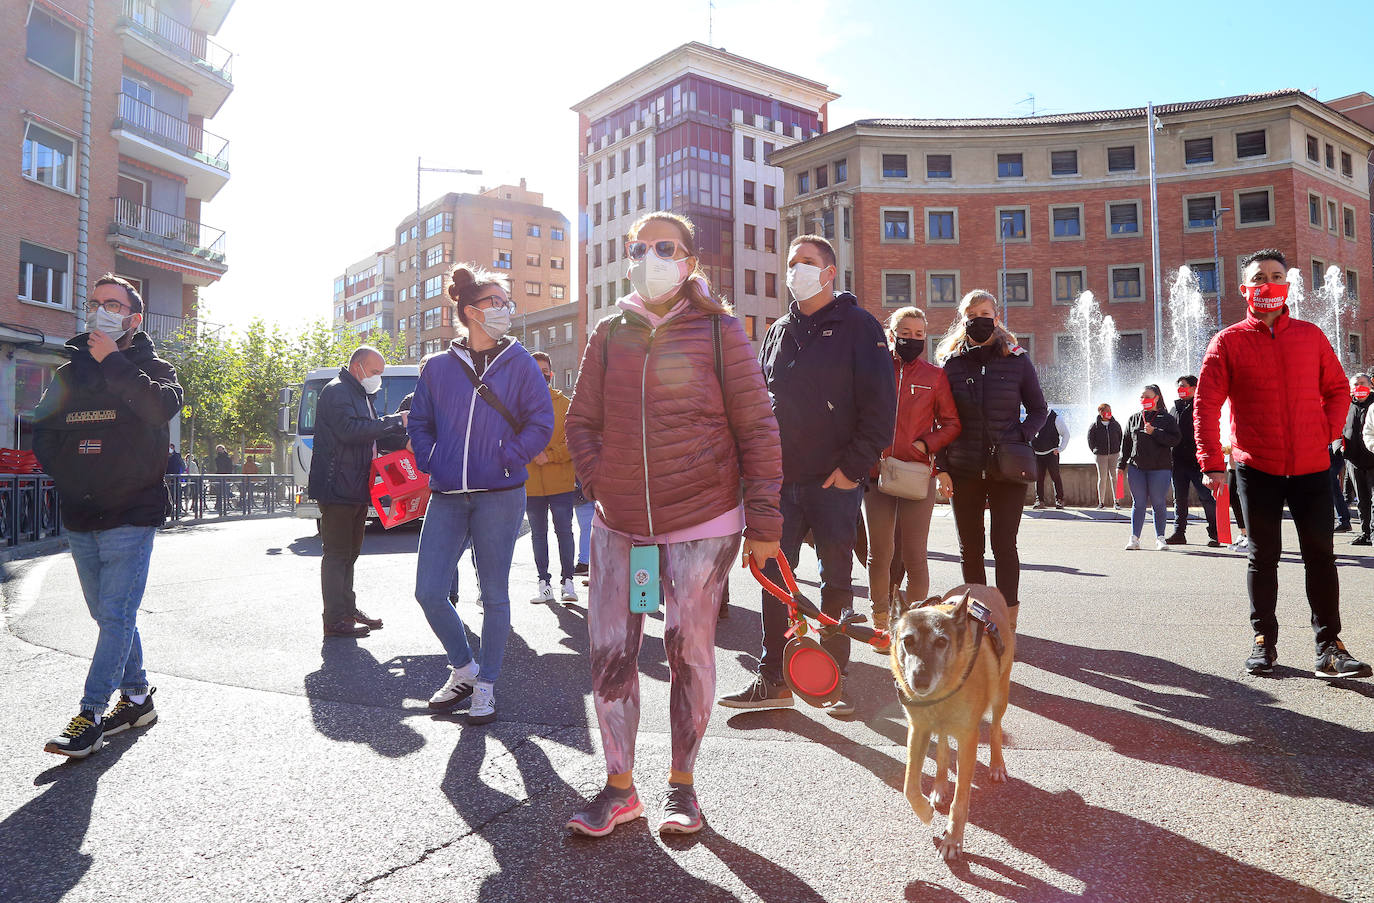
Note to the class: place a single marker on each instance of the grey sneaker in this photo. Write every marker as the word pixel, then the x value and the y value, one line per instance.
pixel 607 809
pixel 761 694
pixel 1334 661
pixel 1262 657
pixel 843 707
pixel 681 811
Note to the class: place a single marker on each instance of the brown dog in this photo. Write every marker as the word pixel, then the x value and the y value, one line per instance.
pixel 951 658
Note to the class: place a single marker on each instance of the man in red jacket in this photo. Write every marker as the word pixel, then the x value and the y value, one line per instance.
pixel 1288 404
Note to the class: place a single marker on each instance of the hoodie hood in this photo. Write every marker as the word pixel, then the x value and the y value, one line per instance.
pixel 140 347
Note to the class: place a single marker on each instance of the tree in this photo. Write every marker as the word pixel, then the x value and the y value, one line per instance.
pixel 210 370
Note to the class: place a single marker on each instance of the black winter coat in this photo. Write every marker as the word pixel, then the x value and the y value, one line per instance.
pixel 1185 453
pixel 1150 451
pixel 1104 437
pixel 345 429
pixel 1356 452
pixel 833 390
pixel 101 433
pixel 989 391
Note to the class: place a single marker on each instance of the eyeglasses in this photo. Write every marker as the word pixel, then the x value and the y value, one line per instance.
pixel 111 306
pixel 664 249
pixel 494 302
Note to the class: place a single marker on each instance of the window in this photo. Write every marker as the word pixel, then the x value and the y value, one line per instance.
pixel 767 150
pixel 770 240
pixel 43 273
pixel 567 379
pixel 750 236
pixel 748 147
pixel 1251 144
pixel 848 284
pixel 822 177
pixel 770 284
pixel 500 228
pixel 943 288
pixel 828 224
pixel 610 207
pixel 1201 211
pixel 1011 224
pixel 1064 163
pixel 639 200
pixel 1330 157
pixel 897 225
pixel 1125 283
pixel 1009 166
pixel 940 225
pixel 625 203
pixel 845 219
pixel 557 292
pixel 1314 210
pixel 610 250
pixel 533 288
pixel 803 182
pixel 1352 285
pixel 1318 271
pixel 1016 287
pixel 567 332
pixel 1206 273
pixel 625 160
pixel 1068 222
pixel 1347 167
pixel 751 325
pixel 1068 285
pixel 939 166
pixel 894 167
pixel 1121 159
pixel 596 173
pixel 556 234
pixel 596 214
pixel 1254 207
pixel 750 284
pixel 531 260
pixel 1313 149
pixel 435 256
pixel 596 255
pixel 433 286
pixel 596 296
pixel 897 288
pixel 47 157
pixel 1331 216
pixel 639 154
pixel 842 170
pixel 1197 150
pixel 439 222
pixel 749 193
pixel 1123 218
pixel 556 263
pixel 770 197
pixel 51 44
pixel 1348 220
pixel 502 260
pixel 532 230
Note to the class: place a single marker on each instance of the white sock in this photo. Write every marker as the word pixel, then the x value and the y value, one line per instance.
pixel 138 698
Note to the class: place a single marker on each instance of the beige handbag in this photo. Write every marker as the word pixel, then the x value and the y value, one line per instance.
pixel 904 479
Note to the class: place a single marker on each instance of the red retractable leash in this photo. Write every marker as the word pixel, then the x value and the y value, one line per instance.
pixel 807 668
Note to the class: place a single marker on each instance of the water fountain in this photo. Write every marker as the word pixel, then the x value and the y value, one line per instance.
pixel 1108 338
pixel 1085 322
pixel 1328 305
pixel 1297 293
pixel 1187 329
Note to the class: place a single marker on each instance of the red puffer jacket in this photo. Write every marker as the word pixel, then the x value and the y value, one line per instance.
pixel 1288 397
pixel 925 411
pixel 654 442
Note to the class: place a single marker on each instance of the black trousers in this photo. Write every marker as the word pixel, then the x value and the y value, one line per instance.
pixel 1308 497
pixel 1048 464
pixel 1004 502
pixel 341 533
pixel 1362 501
pixel 1183 479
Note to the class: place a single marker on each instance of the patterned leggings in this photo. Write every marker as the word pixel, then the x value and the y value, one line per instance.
pixel 693 576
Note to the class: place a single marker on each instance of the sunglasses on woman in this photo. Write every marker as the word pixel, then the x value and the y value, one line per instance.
pixel 664 249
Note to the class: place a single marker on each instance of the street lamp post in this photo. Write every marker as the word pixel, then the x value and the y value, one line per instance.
pixel 1216 258
pixel 1150 126
pixel 415 242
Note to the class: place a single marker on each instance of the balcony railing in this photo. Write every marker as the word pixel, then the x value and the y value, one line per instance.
pixel 176 37
pixel 175 134
pixel 166 230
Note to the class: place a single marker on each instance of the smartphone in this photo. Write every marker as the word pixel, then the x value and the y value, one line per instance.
pixel 645 591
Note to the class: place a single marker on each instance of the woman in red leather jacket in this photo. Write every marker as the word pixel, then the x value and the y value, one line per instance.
pixel 926 422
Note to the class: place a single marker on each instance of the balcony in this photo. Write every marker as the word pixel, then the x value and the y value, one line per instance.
pixel 154 39
pixel 157 137
pixel 173 242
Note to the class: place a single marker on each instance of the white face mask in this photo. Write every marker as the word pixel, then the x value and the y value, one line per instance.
pixel 372 383
pixel 496 322
pixel 654 278
pixel 804 281
pixel 110 324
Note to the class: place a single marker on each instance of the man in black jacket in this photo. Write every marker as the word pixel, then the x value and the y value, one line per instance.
pixel 1358 455
pixel 1186 472
pixel 101 433
pixel 829 372
pixel 347 429
pixel 1052 439
pixel 1104 441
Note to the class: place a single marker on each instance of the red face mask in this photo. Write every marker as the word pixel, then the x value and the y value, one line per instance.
pixel 1360 393
pixel 1185 391
pixel 1148 404
pixel 1106 416
pixel 1266 298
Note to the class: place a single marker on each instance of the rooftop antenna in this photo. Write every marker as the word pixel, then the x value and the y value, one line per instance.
pixel 711 23
pixel 1030 99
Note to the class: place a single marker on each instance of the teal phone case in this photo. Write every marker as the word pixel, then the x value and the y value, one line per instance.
pixel 645 591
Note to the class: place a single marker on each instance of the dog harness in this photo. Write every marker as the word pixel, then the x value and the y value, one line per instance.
pixel 983 625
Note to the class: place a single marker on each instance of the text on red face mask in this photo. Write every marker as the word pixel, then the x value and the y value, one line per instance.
pixel 1148 404
pixel 1266 298
pixel 1361 393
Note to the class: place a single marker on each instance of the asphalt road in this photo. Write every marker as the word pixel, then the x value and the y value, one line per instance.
pixel 1145 764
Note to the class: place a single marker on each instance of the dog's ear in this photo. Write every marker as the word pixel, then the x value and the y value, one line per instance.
pixel 897 606
pixel 960 610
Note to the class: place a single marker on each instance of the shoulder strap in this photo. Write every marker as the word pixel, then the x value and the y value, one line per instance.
pixel 720 358
pixel 606 342
pixel 485 392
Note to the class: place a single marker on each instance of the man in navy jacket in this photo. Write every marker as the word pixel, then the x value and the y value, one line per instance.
pixel 829 372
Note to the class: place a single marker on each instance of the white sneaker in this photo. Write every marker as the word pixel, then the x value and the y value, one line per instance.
pixel 1160 544
pixel 545 593
pixel 569 591
pixel 1133 545
pixel 457 688
pixel 1241 545
pixel 483 703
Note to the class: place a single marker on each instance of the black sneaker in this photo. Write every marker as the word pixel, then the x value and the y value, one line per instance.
pixel 1334 661
pixel 127 713
pixel 1037 507
pixel 1343 528
pixel 1213 543
pixel 581 570
pixel 1176 539
pixel 82 737
pixel 1361 540
pixel 761 694
pixel 1262 657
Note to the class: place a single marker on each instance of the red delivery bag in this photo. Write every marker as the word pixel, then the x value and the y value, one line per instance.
pixel 400 492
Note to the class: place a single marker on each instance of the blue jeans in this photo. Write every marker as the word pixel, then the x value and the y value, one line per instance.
pixel 584 531
pixel 112 566
pixel 537 509
pixel 831 515
pixel 490 523
pixel 1148 487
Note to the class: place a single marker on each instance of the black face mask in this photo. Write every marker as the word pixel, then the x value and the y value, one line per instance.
pixel 980 329
pixel 910 349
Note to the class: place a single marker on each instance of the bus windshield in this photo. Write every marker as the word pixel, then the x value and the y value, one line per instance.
pixel 387 399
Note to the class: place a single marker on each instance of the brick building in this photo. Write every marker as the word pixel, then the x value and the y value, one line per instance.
pixel 121 193
pixel 507 229
pixel 692 132
pixel 365 296
pixel 553 331
pixel 921 210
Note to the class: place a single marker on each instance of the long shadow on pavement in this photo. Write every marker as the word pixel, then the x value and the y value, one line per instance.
pixel 350 674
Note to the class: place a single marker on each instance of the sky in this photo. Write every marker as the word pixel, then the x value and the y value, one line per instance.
pixel 333 102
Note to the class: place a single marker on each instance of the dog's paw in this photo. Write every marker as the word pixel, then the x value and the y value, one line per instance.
pixel 999 773
pixel 941 794
pixel 921 806
pixel 950 849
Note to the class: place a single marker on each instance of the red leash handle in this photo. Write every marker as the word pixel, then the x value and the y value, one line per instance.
pixel 801 607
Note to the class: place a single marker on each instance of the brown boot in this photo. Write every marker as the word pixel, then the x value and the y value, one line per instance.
pixel 370 623
pixel 345 628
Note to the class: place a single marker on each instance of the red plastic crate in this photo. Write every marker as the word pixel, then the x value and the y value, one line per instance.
pixel 400 491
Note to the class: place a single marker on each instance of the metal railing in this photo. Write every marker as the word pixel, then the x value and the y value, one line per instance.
pixel 176 37
pixel 168 230
pixel 171 132
pixel 28 508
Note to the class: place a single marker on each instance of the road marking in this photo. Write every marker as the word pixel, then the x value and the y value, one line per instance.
pixel 21 592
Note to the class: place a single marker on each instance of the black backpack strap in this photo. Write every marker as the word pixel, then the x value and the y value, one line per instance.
pixel 486 393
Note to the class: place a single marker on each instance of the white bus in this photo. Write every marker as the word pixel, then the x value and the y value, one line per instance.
pixel 398 381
